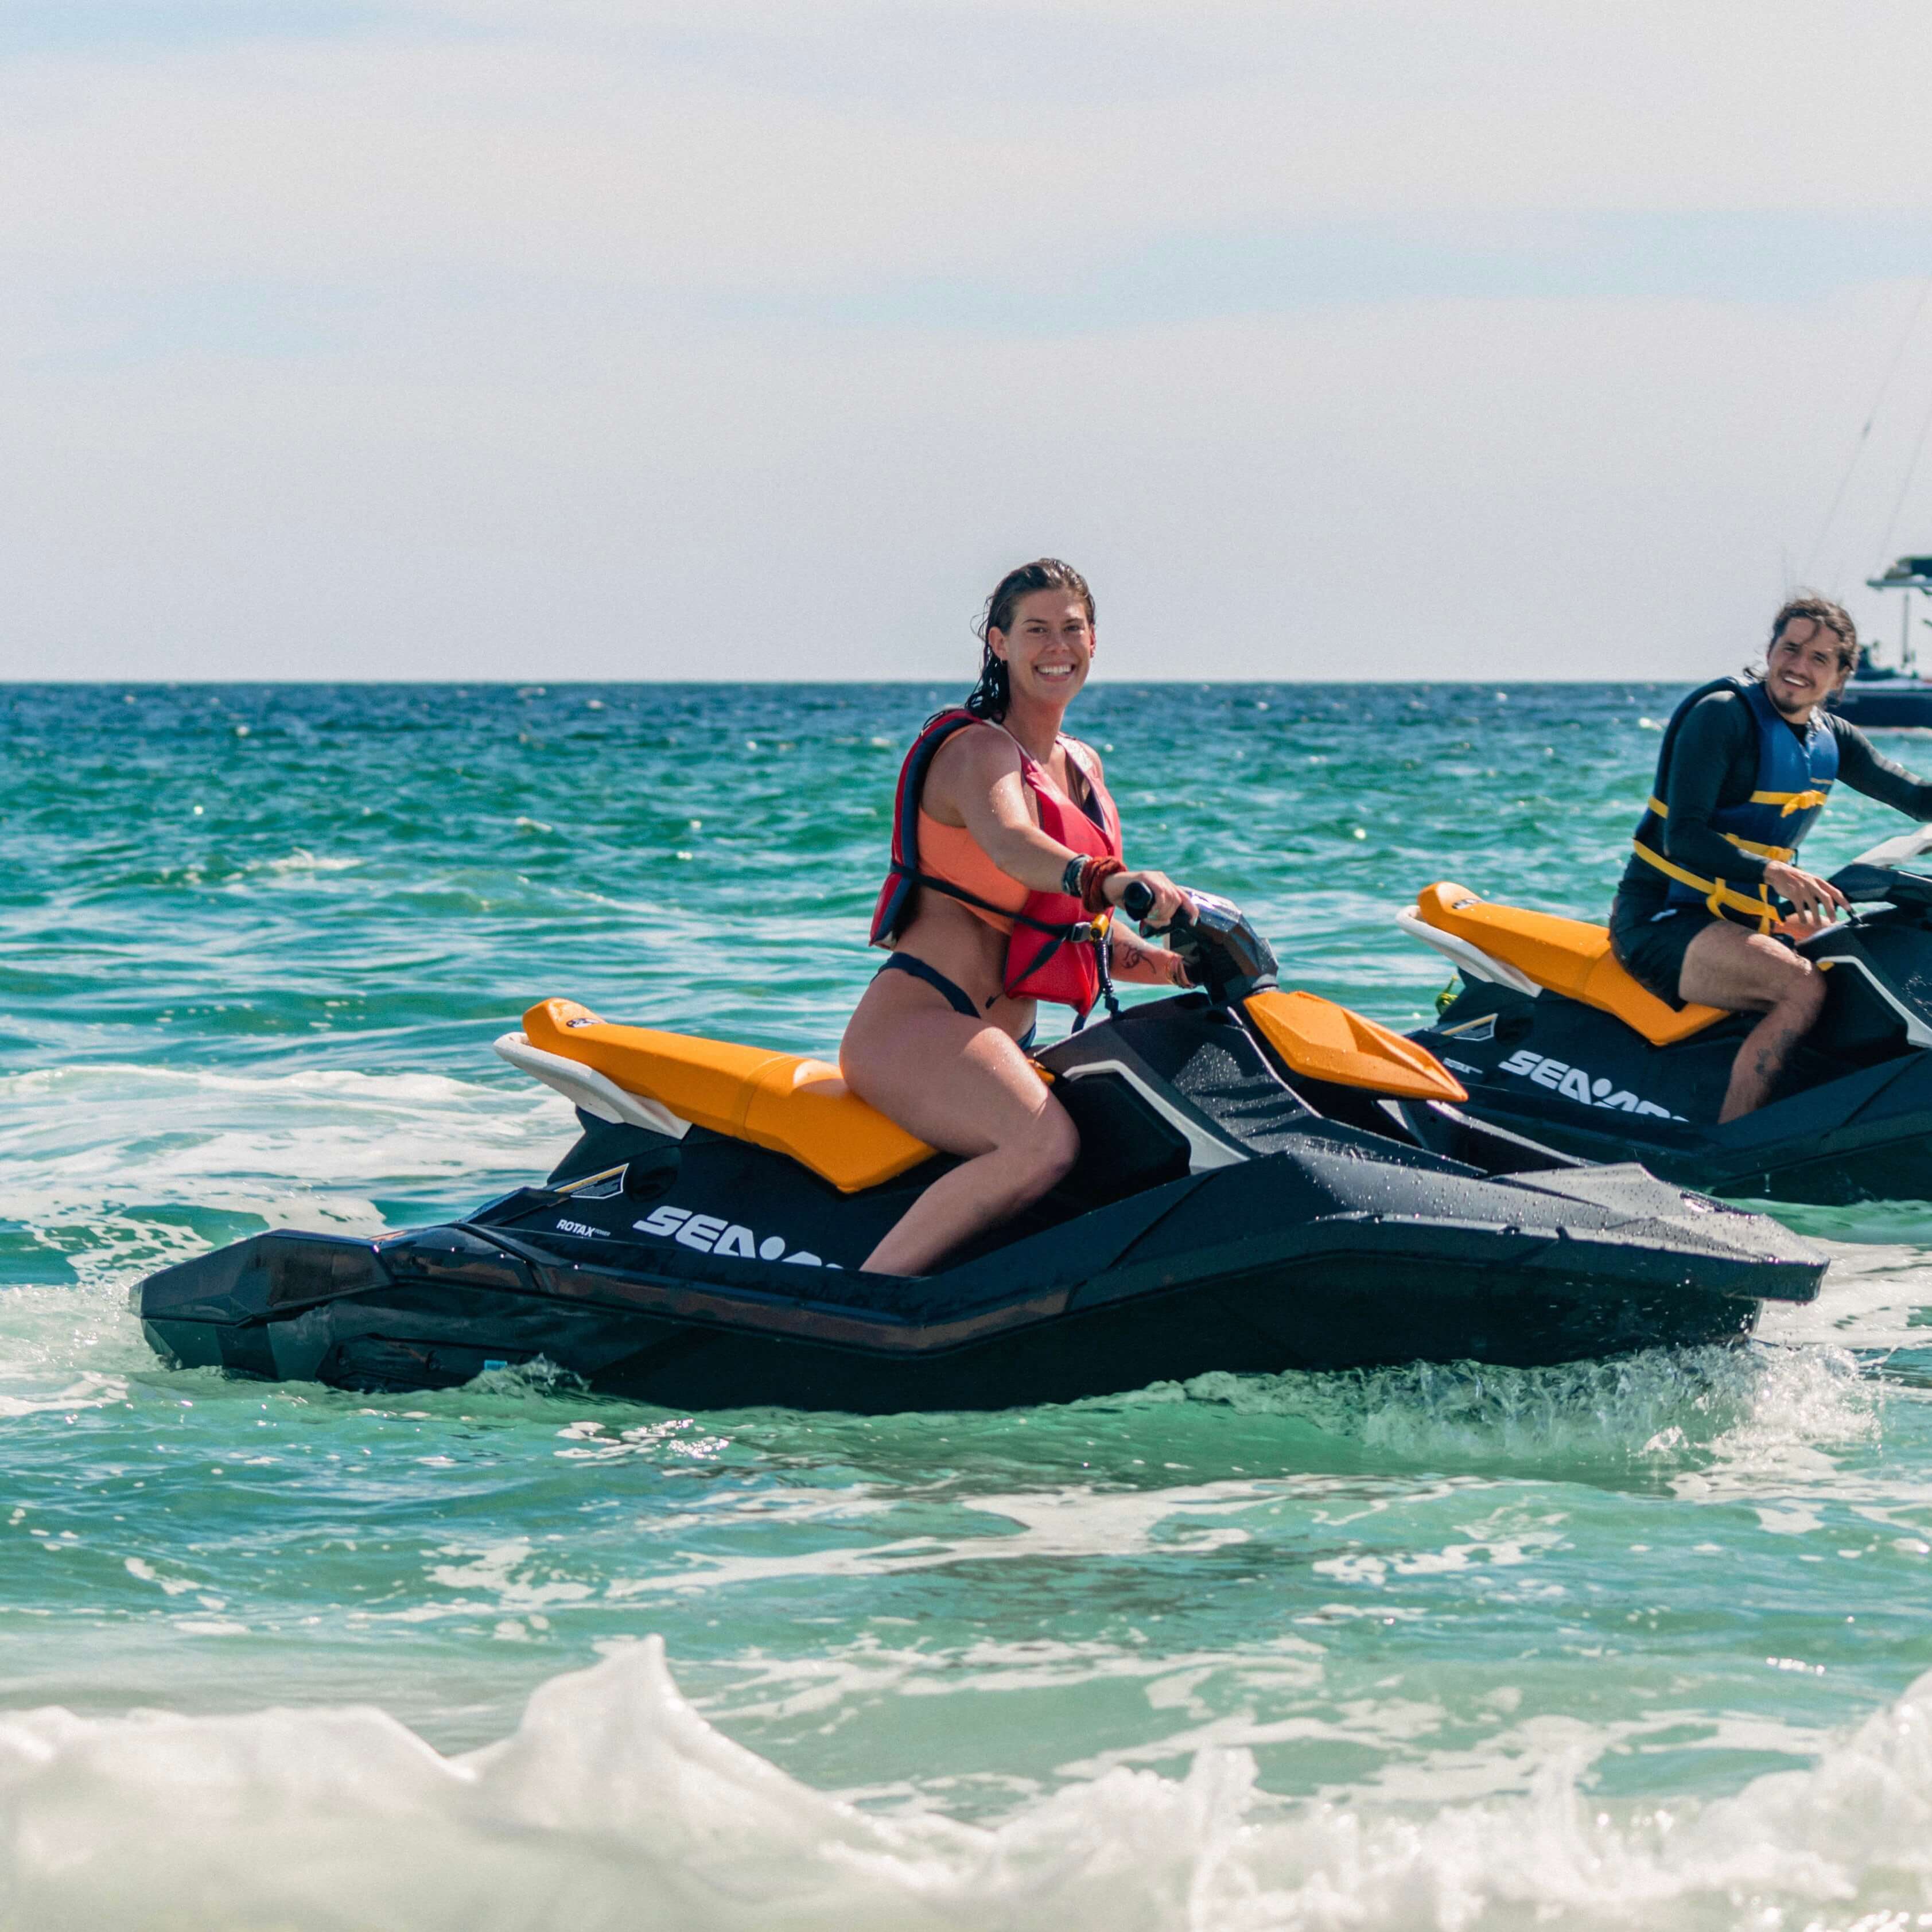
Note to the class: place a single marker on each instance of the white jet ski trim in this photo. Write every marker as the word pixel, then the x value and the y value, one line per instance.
pixel 1893 852
pixel 1917 1033
pixel 1472 959
pixel 584 1087
pixel 1205 1150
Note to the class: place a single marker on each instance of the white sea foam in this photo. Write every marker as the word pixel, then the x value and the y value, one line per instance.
pixel 89 1390
pixel 301 862
pixel 98 1083
pixel 615 1804
pixel 1876 1285
pixel 114 1150
pixel 1658 1406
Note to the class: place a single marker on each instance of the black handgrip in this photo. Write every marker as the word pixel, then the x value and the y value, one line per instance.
pixel 1137 902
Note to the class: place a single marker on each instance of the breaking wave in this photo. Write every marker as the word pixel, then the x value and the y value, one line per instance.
pixel 613 1804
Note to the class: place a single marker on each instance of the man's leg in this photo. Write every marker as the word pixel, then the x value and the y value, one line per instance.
pixel 1752 973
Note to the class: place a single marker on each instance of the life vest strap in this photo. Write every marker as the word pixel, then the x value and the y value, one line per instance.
pixel 1074 931
pixel 1789 801
pixel 1783 853
pixel 1717 894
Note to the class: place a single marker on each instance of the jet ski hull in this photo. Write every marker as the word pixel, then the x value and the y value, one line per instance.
pixel 1309 1259
pixel 1572 1078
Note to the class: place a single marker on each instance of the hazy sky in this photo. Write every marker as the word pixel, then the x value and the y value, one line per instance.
pixel 557 338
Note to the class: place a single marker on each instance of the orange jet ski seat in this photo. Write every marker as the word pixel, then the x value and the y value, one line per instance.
pixel 782 1101
pixel 1569 956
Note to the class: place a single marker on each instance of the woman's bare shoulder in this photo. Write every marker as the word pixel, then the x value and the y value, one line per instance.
pixel 974 759
pixel 981 750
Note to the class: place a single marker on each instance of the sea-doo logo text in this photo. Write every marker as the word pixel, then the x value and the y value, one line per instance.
pixel 1574 1084
pixel 711 1235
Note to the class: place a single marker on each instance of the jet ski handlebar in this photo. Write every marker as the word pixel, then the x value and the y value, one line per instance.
pixel 1223 953
pixel 1882 885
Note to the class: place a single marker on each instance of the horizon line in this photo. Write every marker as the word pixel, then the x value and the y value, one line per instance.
pixel 809 683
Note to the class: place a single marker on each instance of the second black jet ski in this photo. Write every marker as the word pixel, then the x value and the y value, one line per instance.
pixel 1554 1040
pixel 1266 1181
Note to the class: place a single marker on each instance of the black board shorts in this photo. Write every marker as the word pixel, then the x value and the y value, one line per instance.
pixel 1650 940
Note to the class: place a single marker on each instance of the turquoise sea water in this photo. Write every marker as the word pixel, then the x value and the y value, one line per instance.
pixel 1640 1642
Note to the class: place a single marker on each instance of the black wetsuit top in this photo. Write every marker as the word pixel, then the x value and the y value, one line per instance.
pixel 1714 763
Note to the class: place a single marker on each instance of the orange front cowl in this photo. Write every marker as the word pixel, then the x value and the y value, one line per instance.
pixel 1317 1038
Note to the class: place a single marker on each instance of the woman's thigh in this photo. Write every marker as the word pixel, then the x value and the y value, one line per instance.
pixel 1746 972
pixel 958 1084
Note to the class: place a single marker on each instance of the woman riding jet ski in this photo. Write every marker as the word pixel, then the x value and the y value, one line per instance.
pixel 1005 868
pixel 1722 982
pixel 1232 1178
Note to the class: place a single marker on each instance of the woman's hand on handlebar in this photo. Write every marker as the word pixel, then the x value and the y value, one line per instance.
pixel 1815 902
pixel 1168 899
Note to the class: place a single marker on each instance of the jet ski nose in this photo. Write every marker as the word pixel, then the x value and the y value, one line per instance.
pixel 1729 1244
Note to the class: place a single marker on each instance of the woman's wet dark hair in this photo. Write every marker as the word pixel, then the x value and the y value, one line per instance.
pixel 1803 605
pixel 991 696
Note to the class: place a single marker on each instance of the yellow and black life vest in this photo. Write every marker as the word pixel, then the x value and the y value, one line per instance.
pixel 1794 777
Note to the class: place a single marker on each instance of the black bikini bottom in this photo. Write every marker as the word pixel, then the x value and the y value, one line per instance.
pixel 955 995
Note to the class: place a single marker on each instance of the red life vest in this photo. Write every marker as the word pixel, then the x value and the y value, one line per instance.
pixel 1050 955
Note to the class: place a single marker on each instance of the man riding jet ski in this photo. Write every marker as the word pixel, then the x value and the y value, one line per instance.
pixel 1264 1181
pixel 1712 903
pixel 1643 1048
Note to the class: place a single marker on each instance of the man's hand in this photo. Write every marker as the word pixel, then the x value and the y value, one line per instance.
pixel 1814 903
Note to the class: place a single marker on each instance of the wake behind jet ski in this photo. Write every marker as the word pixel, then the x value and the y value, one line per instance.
pixel 1555 1039
pixel 1265 1181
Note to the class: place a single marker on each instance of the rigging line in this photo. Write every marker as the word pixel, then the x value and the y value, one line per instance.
pixel 1911 469
pixel 1864 434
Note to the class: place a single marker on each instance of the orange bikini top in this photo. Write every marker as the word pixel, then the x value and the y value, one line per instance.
pixel 951 853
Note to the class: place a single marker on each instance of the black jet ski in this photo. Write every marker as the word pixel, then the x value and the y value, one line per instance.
pixel 1266 1181
pixel 1554 1040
